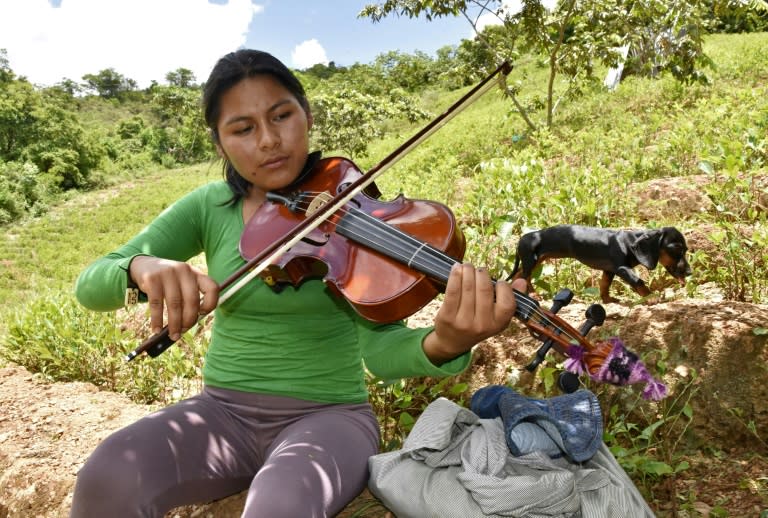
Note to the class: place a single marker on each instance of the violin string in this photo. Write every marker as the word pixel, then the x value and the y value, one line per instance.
pixel 443 260
pixel 412 252
pixel 424 257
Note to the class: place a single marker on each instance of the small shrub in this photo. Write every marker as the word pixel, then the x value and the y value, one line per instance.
pixel 55 336
pixel 398 403
pixel 22 191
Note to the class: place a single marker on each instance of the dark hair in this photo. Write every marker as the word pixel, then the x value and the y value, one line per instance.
pixel 229 71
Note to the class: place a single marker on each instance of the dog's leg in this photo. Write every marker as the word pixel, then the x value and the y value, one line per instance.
pixel 530 263
pixel 605 284
pixel 636 283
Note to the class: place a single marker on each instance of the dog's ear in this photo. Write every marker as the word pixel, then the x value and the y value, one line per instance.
pixel 672 235
pixel 647 248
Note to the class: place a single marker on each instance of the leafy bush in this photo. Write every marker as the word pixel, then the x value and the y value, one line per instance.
pixel 55 336
pixel 61 147
pixel 22 191
pixel 647 442
pixel 739 15
pixel 347 120
pixel 398 403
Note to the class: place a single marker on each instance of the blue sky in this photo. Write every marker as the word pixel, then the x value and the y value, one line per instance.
pixel 49 40
pixel 345 38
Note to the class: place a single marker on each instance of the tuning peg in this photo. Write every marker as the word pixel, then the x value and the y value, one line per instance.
pixel 595 316
pixel 568 382
pixel 562 298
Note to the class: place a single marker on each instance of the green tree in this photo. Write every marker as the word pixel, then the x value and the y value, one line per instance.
pixel 662 36
pixel 348 119
pixel 69 87
pixel 6 74
pixel 39 128
pixel 409 71
pixel 22 191
pixel 454 64
pixel 574 37
pixel 323 71
pixel 739 15
pixel 181 77
pixel 18 101
pixel 60 146
pixel 182 136
pixel 472 56
pixel 364 78
pixel 109 84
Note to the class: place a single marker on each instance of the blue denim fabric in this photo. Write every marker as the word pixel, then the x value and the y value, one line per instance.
pixel 572 421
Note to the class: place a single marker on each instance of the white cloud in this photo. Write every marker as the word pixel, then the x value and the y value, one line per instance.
pixel 141 39
pixel 308 53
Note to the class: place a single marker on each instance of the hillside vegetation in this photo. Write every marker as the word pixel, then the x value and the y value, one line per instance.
pixel 592 166
pixel 626 158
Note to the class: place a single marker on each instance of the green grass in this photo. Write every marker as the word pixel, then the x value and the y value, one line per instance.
pixel 49 252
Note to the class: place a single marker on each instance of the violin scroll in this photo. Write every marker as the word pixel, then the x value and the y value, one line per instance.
pixel 552 330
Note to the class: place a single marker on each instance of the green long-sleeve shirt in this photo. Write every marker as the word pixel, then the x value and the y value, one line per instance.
pixel 302 342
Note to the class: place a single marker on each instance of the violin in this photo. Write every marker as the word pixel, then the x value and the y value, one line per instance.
pixel 387 259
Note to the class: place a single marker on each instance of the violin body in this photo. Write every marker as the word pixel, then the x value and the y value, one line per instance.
pixel 369 252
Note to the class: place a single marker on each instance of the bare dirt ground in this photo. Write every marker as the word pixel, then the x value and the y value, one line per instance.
pixel 48 429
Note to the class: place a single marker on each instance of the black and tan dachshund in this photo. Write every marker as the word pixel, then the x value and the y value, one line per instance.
pixel 615 252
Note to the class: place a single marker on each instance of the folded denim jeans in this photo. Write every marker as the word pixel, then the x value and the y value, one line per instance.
pixel 573 422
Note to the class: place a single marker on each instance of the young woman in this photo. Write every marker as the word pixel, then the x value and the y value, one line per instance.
pixel 284 411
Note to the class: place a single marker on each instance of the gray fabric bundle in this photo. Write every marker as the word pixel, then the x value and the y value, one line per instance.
pixel 454 464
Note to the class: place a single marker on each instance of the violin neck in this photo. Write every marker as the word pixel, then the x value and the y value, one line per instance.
pixel 418 255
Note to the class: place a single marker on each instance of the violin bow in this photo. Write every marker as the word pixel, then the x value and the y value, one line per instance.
pixel 607 361
pixel 159 342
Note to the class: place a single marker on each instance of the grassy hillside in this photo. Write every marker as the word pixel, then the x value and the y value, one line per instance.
pixel 602 150
pixel 498 179
pixel 49 252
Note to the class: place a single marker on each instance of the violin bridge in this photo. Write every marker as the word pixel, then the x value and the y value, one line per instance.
pixel 318 202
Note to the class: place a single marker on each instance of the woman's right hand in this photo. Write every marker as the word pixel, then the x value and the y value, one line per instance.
pixel 173 287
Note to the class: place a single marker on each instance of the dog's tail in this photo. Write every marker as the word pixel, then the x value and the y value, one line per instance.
pixel 515 268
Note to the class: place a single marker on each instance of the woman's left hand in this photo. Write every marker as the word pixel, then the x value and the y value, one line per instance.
pixel 473 309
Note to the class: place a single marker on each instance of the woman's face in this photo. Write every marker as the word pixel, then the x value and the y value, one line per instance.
pixel 264 133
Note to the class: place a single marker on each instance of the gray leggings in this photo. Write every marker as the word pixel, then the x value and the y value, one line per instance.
pixel 296 458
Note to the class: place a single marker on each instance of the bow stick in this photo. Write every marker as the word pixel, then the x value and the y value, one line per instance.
pixel 159 342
